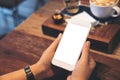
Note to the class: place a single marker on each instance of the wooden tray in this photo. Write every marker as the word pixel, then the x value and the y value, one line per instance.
pixel 103 38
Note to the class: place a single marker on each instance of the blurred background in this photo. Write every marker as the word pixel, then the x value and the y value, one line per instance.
pixel 10 17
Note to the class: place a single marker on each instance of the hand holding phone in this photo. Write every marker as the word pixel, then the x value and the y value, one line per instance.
pixel 70 46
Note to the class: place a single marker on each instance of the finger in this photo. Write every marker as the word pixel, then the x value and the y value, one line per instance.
pixel 68 78
pixel 85 51
pixel 92 62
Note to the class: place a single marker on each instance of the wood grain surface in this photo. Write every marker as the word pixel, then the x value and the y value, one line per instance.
pixel 19 49
pixel 25 45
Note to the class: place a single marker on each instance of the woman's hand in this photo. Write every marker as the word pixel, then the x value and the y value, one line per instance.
pixel 44 64
pixel 40 69
pixel 84 66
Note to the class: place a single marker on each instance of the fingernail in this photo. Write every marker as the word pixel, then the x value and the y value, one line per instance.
pixel 88 43
pixel 59 34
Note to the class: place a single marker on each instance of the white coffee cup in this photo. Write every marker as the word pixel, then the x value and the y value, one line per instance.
pixel 104 10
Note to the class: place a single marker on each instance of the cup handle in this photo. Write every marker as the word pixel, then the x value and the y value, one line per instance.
pixel 116 11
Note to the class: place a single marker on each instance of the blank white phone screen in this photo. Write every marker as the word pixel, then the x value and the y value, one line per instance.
pixel 71 44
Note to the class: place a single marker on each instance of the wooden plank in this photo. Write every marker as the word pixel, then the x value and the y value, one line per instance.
pixel 19 49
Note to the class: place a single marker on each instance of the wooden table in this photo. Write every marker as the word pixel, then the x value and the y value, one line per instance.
pixel 26 43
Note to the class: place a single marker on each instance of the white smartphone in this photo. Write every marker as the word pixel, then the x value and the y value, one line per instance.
pixel 70 46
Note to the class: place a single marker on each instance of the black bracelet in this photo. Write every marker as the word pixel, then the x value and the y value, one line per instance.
pixel 29 74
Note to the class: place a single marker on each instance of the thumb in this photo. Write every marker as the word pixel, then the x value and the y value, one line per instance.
pixel 54 44
pixel 85 51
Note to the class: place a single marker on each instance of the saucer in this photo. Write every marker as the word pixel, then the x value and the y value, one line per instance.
pixel 87 9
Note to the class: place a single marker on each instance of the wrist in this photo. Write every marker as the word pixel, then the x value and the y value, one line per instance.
pixel 37 71
pixel 29 74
